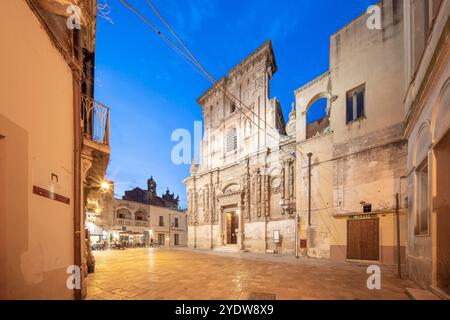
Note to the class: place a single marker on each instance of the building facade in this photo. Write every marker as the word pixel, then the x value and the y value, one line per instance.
pixel 46 128
pixel 242 191
pixel 137 223
pixel 350 164
pixel 149 196
pixel 427 124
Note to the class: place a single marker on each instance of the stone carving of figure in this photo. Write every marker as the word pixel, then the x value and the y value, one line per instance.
pixel 206 205
pixel 258 192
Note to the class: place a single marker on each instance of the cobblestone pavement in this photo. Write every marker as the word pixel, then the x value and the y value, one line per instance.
pixel 185 274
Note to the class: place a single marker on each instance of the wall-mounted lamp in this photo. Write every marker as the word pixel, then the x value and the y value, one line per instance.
pixel 105 186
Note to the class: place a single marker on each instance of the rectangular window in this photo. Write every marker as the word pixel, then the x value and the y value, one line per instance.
pixel 161 221
pixel 231 140
pixel 356 103
pixel 422 211
pixel 176 223
pixel 176 239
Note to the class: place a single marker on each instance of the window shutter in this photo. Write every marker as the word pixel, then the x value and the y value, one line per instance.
pixel 349 108
pixel 360 98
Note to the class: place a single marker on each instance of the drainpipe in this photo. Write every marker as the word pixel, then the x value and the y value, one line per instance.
pixel 77 183
pixel 397 214
pixel 309 188
pixel 297 220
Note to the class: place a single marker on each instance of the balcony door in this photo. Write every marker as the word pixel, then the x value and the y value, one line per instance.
pixel 161 239
pixel 232 226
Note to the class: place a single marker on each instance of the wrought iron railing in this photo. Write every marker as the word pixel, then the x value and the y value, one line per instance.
pixel 95 120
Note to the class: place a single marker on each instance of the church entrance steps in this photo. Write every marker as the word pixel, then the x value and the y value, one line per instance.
pixel 227 249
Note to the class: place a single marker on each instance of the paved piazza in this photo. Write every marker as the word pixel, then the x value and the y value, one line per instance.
pixel 186 274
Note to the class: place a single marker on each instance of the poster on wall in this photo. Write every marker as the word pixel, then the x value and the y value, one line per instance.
pixel 276 236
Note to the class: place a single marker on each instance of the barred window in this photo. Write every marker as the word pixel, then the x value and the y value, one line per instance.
pixel 356 104
pixel 231 139
pixel 423 208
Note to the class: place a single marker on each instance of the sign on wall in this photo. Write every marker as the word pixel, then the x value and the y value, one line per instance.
pixel 276 236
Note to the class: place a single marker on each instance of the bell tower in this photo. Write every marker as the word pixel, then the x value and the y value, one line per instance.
pixel 151 187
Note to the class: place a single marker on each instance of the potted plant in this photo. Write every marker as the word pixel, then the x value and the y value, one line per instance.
pixel 91 263
pixel 90 259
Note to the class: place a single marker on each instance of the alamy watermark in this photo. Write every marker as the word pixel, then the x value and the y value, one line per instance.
pixel 74 19
pixel 75 14
pixel 374 280
pixel 74 279
pixel 374 18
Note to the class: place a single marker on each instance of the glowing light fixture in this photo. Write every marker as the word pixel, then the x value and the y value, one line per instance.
pixel 105 186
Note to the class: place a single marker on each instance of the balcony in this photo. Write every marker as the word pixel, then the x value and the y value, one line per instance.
pixel 125 222
pixel 131 223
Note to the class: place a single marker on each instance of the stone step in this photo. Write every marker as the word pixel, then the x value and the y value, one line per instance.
pixel 420 294
pixel 440 293
pixel 230 249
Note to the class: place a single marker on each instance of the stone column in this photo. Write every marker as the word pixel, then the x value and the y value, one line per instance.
pixel 241 227
pixel 220 227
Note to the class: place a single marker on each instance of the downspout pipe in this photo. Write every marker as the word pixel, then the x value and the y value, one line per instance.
pixel 77 184
pixel 309 188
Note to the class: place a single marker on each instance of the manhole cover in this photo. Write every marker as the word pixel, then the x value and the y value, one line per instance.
pixel 261 296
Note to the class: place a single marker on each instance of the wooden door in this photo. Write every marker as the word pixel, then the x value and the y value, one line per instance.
pixel 363 239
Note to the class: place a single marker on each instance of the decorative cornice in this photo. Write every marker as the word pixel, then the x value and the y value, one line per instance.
pixel 266 48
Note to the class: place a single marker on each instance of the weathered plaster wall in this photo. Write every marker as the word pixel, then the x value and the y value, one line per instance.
pixel 427 115
pixel 361 161
pixel 36 119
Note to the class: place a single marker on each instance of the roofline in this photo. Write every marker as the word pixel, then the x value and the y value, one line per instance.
pixel 266 45
pixel 147 204
pixel 379 3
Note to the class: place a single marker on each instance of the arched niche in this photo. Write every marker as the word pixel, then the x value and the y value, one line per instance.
pixel 231 188
pixel 441 113
pixel 422 144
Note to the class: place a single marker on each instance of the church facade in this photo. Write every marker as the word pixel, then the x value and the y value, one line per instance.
pixel 241 196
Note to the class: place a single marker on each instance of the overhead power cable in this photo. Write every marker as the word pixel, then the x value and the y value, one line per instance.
pixel 189 57
pixel 211 78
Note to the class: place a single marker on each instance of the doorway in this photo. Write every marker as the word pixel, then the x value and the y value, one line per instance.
pixel 232 226
pixel 161 239
pixel 441 209
pixel 363 239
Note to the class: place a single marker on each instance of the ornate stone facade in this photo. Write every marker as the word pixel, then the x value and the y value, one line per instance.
pixel 243 189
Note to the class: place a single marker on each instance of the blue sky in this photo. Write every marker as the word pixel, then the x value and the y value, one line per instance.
pixel 151 91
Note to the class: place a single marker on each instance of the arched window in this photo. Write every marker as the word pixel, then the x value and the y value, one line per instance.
pixel 213 145
pixel 317 119
pixel 123 214
pixel 140 216
pixel 231 139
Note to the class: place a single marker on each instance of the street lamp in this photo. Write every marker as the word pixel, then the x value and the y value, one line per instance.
pixel 105 186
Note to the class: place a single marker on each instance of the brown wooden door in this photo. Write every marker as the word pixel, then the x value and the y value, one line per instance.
pixel 232 225
pixel 363 239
